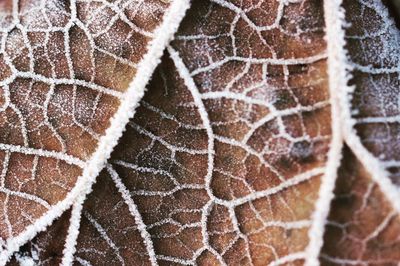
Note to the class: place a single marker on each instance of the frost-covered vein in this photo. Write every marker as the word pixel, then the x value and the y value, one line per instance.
pixel 168 116
pixel 104 235
pixel 251 151
pixel 289 258
pixel 185 75
pixel 65 81
pixel 281 113
pixel 43 153
pixel 306 176
pixel 135 213
pixel 337 78
pixel 271 61
pixel 73 232
pixel 119 14
pixel 383 120
pixel 26 196
pixel 165 143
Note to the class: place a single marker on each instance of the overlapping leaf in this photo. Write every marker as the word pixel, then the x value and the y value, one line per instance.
pixel 232 155
pixel 363 227
pixel 224 168
pixel 65 67
pixel 374 52
pixel 161 169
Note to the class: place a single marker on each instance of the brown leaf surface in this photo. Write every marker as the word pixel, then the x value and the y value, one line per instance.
pixel 363 228
pixel 223 162
pixel 222 169
pixel 250 216
pixel 64 66
pixel 47 247
pixel 373 42
pixel 209 198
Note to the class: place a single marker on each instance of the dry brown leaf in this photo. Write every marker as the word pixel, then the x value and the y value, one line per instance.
pixel 162 161
pixel 234 151
pixel 364 223
pixel 68 72
pixel 363 228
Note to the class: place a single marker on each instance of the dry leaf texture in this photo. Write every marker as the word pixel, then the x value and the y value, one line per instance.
pixel 65 68
pixel 234 156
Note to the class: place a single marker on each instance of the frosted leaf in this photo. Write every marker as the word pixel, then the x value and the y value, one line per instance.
pixel 47 247
pixel 363 224
pixel 167 169
pixel 373 44
pixel 108 235
pixel 224 176
pixel 237 153
pixel 65 97
pixel 363 227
